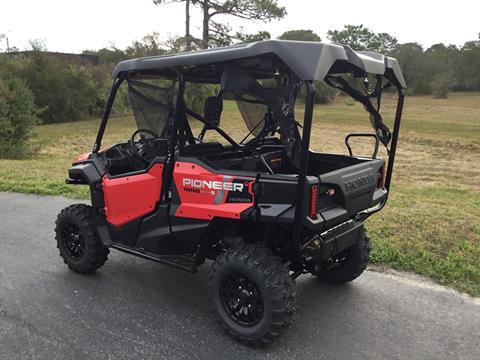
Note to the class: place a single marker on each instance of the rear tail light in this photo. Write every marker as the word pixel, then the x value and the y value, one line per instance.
pixel 383 171
pixel 313 201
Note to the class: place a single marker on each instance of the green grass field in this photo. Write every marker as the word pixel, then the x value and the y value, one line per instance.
pixel 431 224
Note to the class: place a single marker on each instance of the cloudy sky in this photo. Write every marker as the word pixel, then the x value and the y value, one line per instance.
pixel 72 26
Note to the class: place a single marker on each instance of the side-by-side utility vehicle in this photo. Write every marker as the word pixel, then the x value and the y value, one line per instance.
pixel 266 209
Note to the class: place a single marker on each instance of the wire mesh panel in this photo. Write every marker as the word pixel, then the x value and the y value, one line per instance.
pixel 153 103
pixel 253 113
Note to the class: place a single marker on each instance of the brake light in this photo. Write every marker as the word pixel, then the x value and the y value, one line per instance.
pixel 313 201
pixel 383 171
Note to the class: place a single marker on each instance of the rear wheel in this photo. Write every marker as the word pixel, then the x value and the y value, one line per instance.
pixel 252 293
pixel 349 264
pixel 77 239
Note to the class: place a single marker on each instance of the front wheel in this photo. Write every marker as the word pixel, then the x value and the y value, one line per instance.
pixel 78 241
pixel 252 293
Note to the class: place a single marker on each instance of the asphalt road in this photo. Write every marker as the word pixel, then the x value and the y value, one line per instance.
pixel 137 309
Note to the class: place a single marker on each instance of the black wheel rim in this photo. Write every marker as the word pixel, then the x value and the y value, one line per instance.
pixel 72 240
pixel 241 299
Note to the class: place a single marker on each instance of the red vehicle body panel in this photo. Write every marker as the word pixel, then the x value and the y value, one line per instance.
pixel 205 195
pixel 81 157
pixel 130 197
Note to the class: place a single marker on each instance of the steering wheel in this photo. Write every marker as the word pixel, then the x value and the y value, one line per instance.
pixel 138 149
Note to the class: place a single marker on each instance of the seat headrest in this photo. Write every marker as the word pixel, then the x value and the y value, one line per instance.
pixel 213 110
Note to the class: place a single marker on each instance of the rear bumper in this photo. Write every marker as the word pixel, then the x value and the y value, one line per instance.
pixel 334 215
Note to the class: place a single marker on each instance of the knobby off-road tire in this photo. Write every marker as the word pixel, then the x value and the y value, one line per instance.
pixel 349 265
pixel 78 241
pixel 265 303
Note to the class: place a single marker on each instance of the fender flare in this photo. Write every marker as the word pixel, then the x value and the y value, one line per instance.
pixel 85 173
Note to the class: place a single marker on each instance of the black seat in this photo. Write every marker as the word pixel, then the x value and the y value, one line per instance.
pixel 213 108
pixel 202 149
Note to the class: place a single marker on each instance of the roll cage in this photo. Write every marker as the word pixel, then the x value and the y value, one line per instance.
pixel 319 62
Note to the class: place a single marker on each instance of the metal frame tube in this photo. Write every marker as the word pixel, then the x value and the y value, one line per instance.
pixel 108 108
pixel 302 171
pixel 396 129
pixel 176 128
pixel 178 124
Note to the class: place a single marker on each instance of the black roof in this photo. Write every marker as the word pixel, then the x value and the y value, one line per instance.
pixel 308 60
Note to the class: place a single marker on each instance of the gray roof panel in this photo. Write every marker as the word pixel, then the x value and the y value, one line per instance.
pixel 308 60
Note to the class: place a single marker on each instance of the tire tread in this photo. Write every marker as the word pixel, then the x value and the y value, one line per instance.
pixel 95 253
pixel 278 282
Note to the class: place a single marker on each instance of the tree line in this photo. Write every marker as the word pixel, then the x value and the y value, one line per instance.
pixel 38 87
pixel 435 70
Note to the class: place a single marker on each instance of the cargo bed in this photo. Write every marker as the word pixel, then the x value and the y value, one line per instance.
pixel 344 186
pixel 347 185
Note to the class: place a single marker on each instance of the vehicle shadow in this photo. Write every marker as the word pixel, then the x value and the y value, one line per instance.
pixel 157 303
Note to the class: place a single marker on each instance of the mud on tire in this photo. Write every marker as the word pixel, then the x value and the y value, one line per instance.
pixel 272 296
pixel 78 241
